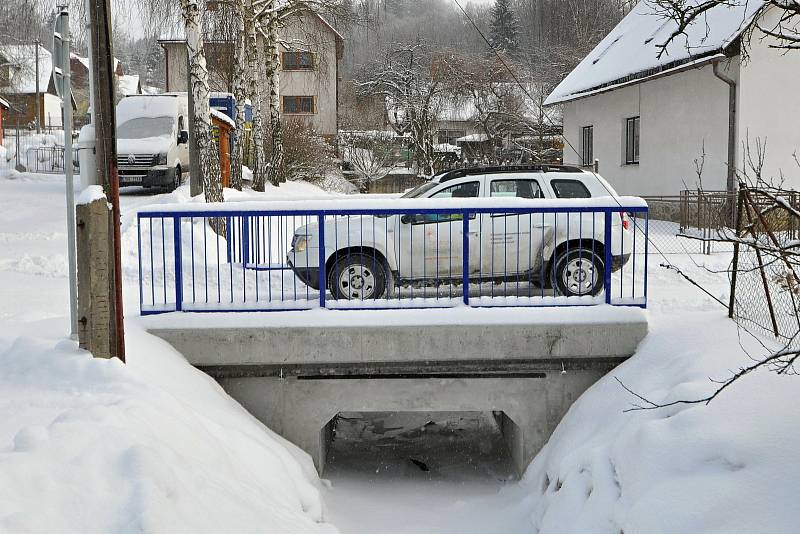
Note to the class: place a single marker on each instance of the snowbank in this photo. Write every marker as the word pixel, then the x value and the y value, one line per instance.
pixel 722 468
pixel 94 446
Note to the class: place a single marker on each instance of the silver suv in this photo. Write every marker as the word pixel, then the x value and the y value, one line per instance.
pixel 366 258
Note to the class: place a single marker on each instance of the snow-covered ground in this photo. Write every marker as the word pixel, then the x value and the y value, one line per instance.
pixel 155 446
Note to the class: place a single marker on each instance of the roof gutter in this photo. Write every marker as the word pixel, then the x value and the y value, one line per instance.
pixel 731 181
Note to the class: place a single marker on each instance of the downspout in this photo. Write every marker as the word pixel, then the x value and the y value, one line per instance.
pixel 731 182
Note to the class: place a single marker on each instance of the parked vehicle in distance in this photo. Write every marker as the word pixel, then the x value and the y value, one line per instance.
pixel 564 251
pixel 153 140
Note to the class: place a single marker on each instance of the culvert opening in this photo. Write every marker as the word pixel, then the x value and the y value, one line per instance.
pixel 419 446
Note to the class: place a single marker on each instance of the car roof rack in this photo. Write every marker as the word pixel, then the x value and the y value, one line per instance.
pixel 498 169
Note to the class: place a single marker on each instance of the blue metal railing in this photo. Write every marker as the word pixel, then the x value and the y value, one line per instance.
pixel 410 257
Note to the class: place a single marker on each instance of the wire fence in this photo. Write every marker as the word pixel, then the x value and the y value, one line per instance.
pixel 765 285
pixel 692 222
pixel 25 150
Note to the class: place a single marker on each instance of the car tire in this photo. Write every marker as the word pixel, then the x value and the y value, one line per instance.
pixel 357 276
pixel 577 273
pixel 178 178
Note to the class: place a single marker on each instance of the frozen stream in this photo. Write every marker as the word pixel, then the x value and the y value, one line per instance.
pixel 421 472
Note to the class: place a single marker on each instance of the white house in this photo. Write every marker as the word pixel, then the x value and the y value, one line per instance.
pixel 649 120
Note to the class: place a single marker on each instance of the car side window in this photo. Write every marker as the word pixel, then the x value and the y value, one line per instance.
pixel 465 190
pixel 516 189
pixel 570 189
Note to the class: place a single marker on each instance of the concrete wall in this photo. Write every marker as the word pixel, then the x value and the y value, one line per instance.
pixel 680 114
pixel 302 410
pixel 769 107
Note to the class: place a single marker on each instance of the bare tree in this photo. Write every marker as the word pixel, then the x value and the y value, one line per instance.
pixel 785 31
pixel 411 95
pixel 370 155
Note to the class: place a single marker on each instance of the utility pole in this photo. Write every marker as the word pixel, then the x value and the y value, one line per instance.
pixel 38 103
pixel 101 329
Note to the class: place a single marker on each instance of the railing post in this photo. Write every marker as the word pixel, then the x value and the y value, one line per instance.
pixel 321 260
pixel 176 230
pixel 465 258
pixel 245 242
pixel 607 260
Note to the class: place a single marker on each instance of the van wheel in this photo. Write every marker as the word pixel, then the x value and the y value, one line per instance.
pixel 357 276
pixel 578 273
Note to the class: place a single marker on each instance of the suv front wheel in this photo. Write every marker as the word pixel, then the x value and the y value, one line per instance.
pixel 578 273
pixel 357 276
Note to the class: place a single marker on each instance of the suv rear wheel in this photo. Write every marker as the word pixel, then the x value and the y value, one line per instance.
pixel 357 276
pixel 578 273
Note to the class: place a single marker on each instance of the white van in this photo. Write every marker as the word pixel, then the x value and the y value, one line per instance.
pixel 153 140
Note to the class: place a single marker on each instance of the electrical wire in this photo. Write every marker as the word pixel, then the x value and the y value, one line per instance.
pixel 499 56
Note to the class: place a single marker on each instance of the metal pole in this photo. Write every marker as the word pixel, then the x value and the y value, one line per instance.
pixel 38 104
pixel 66 104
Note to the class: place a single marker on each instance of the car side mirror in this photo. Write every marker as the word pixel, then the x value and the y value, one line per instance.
pixel 183 137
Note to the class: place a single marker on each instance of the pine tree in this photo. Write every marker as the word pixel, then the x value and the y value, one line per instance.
pixel 504 28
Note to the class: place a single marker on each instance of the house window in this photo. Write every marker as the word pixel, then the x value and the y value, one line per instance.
pixel 297 61
pixel 587 145
pixel 632 140
pixel 298 104
pixel 450 136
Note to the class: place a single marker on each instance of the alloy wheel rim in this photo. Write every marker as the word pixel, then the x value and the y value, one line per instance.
pixel 579 276
pixel 357 282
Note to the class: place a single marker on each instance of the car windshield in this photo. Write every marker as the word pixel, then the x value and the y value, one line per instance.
pixel 144 127
pixel 420 190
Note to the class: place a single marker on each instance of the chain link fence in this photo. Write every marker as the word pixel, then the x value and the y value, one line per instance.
pixel 692 222
pixel 765 283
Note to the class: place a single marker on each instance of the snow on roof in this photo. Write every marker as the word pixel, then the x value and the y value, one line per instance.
pixel 147 106
pixel 220 116
pixel 23 59
pixel 473 138
pixel 631 49
pixel 128 84
pixel 85 61
pixel 4 104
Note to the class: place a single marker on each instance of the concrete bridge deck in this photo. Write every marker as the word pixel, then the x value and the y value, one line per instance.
pixel 296 371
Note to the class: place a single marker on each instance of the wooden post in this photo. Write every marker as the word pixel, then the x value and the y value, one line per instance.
pixel 101 328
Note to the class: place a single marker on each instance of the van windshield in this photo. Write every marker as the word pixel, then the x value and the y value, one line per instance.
pixel 144 127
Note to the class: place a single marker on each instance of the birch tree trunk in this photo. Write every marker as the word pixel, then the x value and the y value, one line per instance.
pixel 254 91
pixel 276 174
pixel 239 93
pixel 198 76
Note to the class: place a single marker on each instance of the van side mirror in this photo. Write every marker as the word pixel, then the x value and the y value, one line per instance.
pixel 183 137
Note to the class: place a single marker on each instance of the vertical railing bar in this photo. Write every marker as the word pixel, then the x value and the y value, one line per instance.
pixel 646 251
pixel 268 239
pixel 229 232
pixel 205 254
pixel 321 258
pixel 164 258
pixel 176 229
pixel 607 259
pixel 139 245
pixel 257 262
pixel 465 256
pixel 152 264
pixel 191 235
